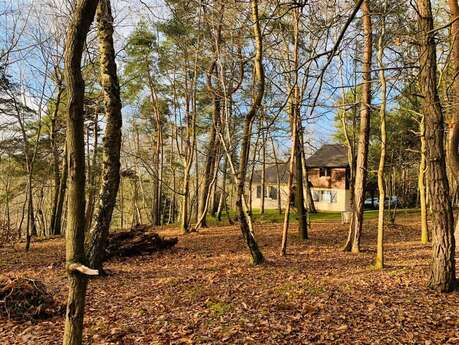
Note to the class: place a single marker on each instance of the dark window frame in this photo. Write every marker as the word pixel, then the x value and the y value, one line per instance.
pixel 324 172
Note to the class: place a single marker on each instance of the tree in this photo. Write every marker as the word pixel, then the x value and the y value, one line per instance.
pixel 443 273
pixel 353 241
pixel 453 137
pixel 112 137
pixel 79 25
pixel 379 264
pixel 245 219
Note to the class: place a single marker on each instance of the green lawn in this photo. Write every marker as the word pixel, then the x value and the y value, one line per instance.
pixel 273 216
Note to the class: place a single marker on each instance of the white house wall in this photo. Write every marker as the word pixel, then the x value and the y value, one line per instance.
pixel 342 203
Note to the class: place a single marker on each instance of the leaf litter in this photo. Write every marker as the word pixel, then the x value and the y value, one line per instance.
pixel 205 291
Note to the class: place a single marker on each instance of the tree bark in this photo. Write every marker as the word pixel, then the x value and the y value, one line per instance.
pixel 55 151
pixel 422 183
pixel 112 137
pixel 92 170
pixel 453 136
pixel 292 166
pixel 80 21
pixel 211 148
pixel 443 274
pixel 245 219
pixel 299 193
pixel 379 263
pixel 364 134
pixel 56 226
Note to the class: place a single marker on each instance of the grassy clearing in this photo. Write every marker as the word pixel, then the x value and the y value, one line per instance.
pixel 273 216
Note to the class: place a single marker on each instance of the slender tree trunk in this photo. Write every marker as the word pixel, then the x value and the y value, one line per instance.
pixel 292 165
pixel 310 207
pixel 443 273
pixel 210 161
pixel 92 170
pixel 364 133
pixel 263 172
pixel 112 137
pixel 196 185
pixel 278 180
pixel 80 21
pixel 252 172
pixel 422 183
pixel 299 192
pixel 350 142
pixel 223 194
pixel 55 151
pixel 56 226
pixel 379 264
pixel 245 219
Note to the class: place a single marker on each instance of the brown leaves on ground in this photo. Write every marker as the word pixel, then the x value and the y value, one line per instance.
pixel 205 291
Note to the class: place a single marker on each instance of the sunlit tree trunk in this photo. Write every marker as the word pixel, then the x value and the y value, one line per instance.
pixel 56 163
pixel 293 155
pixel 92 173
pixel 211 147
pixel 112 137
pixel 299 192
pixel 443 273
pixel 80 21
pixel 278 179
pixel 364 133
pixel 422 183
pixel 245 219
pixel 453 137
pixel 379 264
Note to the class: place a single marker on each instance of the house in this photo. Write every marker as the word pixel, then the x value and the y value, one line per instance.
pixel 328 175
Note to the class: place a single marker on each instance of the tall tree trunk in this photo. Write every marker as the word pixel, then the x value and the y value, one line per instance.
pixel 55 151
pixel 293 156
pixel 223 194
pixel 56 226
pixel 422 183
pixel 453 137
pixel 379 264
pixel 157 154
pixel 310 206
pixel 299 194
pixel 263 172
pixel 80 21
pixel 364 134
pixel 296 117
pixel 245 219
pixel 92 170
pixel 211 156
pixel 112 137
pixel 278 179
pixel 443 273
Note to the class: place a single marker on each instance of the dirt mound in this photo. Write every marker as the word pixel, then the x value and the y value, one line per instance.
pixel 26 299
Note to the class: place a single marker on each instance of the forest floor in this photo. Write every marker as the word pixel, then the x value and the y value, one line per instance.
pixel 205 291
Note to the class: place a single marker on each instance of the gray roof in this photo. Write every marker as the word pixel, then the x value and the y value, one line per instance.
pixel 329 155
pixel 271 173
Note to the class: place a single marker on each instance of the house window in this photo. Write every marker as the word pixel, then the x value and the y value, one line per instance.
pixel 273 192
pixel 315 196
pixel 324 172
pixel 259 192
pixel 329 197
pixel 326 196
